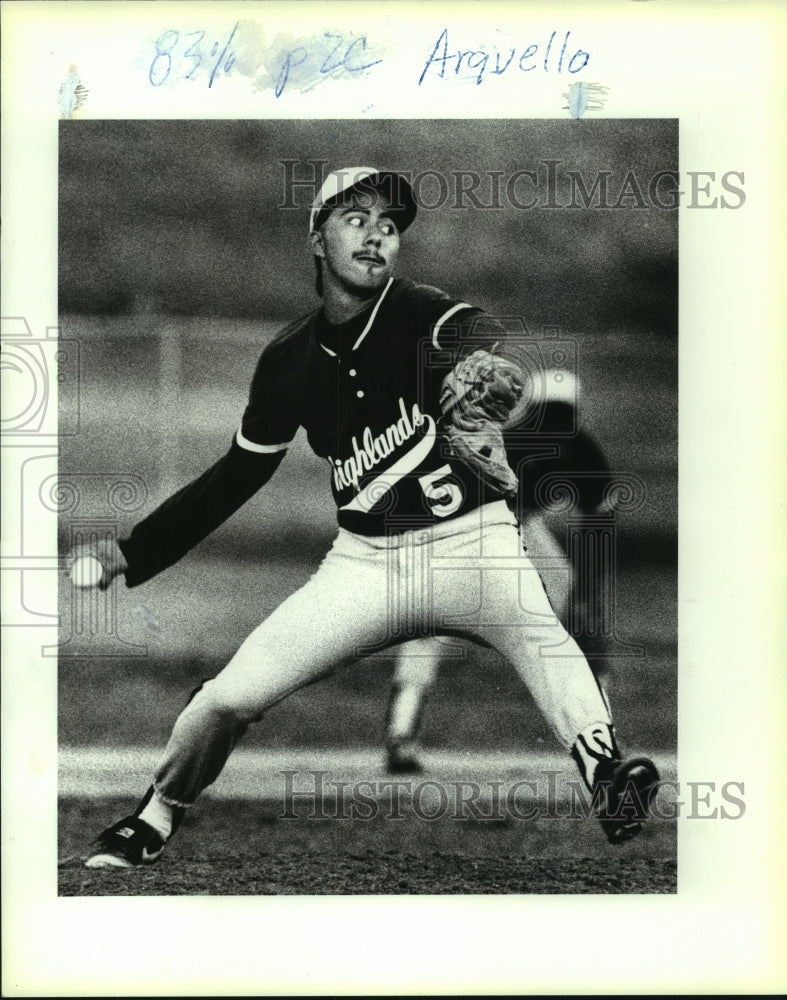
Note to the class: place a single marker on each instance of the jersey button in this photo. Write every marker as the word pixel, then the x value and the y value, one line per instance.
pixel 359 394
pixel 353 372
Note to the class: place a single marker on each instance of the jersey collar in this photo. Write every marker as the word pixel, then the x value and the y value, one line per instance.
pixel 372 316
pixel 367 327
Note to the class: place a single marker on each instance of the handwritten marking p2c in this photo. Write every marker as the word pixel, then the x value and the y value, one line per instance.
pixel 314 59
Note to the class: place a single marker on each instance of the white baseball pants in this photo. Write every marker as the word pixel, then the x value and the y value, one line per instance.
pixel 468 577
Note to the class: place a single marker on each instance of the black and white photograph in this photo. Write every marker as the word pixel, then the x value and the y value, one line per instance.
pixel 371 515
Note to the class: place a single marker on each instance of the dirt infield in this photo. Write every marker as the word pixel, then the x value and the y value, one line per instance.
pixel 246 848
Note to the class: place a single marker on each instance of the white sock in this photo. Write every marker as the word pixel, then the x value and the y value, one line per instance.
pixel 158 815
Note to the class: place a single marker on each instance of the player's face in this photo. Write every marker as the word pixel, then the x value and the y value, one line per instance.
pixel 358 244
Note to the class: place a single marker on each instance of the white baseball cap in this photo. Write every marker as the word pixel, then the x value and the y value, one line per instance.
pixel 338 182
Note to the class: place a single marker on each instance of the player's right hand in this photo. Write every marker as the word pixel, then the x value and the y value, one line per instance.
pixel 109 554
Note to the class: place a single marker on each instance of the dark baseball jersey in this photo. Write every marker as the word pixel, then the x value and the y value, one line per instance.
pixel 367 394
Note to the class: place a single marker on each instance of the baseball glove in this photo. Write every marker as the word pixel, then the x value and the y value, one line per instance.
pixel 476 399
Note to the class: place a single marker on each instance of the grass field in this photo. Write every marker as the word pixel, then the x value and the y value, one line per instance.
pixel 253 855
pixel 332 821
pixel 245 848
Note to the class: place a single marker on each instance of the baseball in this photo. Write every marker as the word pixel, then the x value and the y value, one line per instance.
pixel 86 571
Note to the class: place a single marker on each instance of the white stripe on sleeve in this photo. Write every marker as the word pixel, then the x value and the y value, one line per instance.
pixel 446 316
pixel 260 449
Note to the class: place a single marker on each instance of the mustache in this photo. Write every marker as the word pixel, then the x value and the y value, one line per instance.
pixel 369 255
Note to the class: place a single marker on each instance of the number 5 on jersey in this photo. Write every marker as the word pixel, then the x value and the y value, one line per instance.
pixel 444 498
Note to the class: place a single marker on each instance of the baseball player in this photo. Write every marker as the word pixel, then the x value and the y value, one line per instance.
pixel 417 662
pixel 400 389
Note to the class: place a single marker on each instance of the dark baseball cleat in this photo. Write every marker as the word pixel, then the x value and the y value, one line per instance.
pixel 129 843
pixel 624 791
pixel 401 757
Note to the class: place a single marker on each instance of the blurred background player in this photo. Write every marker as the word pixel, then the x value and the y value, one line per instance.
pixel 418 661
